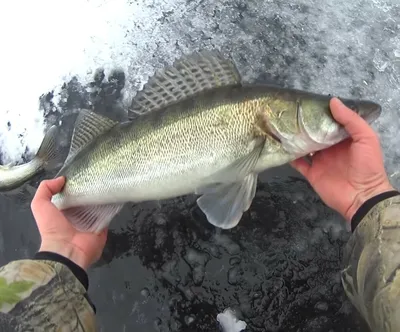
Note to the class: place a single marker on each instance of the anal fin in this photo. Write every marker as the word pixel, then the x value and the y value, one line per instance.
pixel 92 218
pixel 224 204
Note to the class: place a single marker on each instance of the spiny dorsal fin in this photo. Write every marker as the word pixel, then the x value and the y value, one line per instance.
pixel 189 75
pixel 88 126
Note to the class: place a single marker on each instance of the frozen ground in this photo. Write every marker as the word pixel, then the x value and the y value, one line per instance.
pixel 165 268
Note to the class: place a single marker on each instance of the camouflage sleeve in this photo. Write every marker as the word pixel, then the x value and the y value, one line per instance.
pixel 371 274
pixel 47 293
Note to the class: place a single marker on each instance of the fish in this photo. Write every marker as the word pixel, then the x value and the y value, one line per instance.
pixel 194 128
pixel 13 177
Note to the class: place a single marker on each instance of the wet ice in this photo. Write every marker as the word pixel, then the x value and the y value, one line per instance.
pixel 197 262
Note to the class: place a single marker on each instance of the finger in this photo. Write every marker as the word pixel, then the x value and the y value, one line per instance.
pixel 46 190
pixel 103 233
pixel 354 124
pixel 301 166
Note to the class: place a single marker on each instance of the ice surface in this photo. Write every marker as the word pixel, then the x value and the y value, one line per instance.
pixel 197 262
pixel 229 322
pixel 45 43
pixel 338 47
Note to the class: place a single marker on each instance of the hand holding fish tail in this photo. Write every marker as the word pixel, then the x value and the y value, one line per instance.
pixel 52 286
pixel 57 233
pixel 351 172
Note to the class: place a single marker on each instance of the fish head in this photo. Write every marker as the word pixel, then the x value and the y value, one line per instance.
pixel 303 122
pixel 315 119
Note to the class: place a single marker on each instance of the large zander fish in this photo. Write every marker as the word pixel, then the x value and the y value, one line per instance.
pixel 197 129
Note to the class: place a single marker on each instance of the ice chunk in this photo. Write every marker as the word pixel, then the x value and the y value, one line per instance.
pixel 229 322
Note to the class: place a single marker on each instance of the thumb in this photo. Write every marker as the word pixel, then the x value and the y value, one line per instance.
pixel 46 190
pixel 301 166
pixel 354 124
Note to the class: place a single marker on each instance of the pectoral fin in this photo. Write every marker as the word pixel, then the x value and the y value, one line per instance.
pixel 224 204
pixel 238 170
pixel 92 218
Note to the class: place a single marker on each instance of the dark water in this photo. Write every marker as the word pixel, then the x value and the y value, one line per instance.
pixel 164 267
pixel 278 268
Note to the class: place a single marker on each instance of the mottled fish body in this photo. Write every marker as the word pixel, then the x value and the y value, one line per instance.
pixel 198 129
pixel 13 177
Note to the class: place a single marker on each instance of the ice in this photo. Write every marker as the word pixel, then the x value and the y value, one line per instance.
pixel 225 242
pixel 197 261
pixel 337 47
pixel 45 43
pixel 229 322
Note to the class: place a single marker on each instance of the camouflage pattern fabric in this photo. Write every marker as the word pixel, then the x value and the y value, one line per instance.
pixel 43 295
pixel 371 275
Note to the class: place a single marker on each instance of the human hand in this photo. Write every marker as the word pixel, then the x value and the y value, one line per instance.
pixel 350 172
pixel 57 233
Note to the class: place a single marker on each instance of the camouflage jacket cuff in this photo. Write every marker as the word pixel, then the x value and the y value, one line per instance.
pixel 43 295
pixel 78 272
pixel 368 205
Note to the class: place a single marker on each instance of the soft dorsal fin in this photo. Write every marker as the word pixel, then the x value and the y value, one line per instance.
pixel 189 75
pixel 88 126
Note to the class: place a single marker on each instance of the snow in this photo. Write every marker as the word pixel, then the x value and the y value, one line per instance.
pixel 229 322
pixel 45 43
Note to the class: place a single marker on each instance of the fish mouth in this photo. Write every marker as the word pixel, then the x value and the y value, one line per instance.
pixel 368 110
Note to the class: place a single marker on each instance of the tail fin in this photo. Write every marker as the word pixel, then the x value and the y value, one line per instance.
pixel 48 151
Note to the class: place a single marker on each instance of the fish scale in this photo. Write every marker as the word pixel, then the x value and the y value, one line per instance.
pixel 194 128
pixel 145 151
